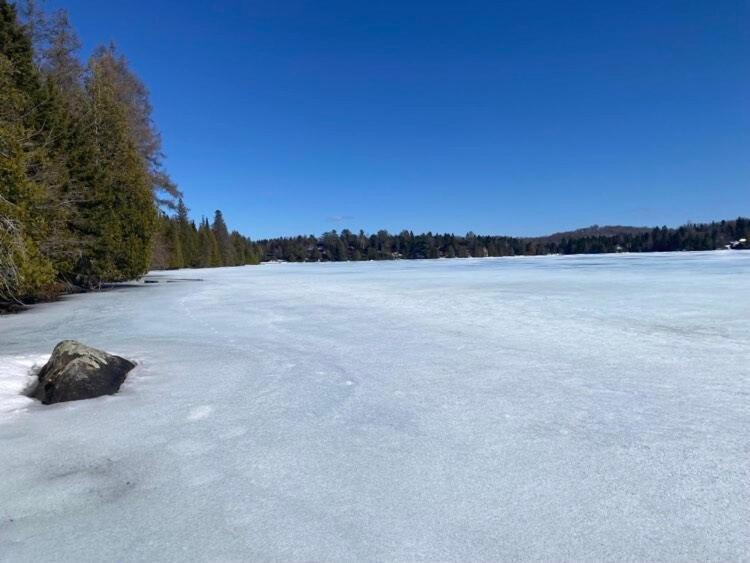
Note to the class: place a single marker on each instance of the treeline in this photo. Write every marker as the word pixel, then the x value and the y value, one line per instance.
pixel 182 244
pixel 83 192
pixel 346 245
pixel 690 237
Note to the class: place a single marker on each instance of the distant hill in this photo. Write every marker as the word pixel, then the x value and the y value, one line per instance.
pixel 593 231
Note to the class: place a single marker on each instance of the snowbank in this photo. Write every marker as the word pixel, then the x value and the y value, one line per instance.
pixel 17 377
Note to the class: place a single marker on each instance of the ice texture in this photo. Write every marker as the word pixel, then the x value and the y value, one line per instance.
pixel 584 407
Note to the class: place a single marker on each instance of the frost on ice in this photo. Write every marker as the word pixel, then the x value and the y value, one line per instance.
pixel 588 407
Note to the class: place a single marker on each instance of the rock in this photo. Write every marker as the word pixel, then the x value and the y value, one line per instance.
pixel 76 371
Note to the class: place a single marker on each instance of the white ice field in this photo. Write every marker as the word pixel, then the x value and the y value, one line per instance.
pixel 588 407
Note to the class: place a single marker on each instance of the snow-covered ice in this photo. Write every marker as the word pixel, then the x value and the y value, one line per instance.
pixel 588 407
pixel 17 378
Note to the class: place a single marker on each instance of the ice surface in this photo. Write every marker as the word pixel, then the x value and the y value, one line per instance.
pixel 588 407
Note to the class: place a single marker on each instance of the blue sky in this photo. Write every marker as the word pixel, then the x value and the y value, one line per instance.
pixel 517 117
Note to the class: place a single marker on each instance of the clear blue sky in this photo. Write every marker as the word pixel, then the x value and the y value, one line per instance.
pixel 521 117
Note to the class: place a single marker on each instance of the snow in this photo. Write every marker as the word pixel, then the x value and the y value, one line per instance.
pixel 587 407
pixel 17 377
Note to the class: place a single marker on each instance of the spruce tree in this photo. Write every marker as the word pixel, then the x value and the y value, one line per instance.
pixel 186 233
pixel 227 256
pixel 208 248
pixel 176 258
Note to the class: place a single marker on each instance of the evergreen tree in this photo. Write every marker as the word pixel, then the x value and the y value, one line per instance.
pixel 210 257
pixel 24 201
pixel 226 253
pixel 160 254
pixel 120 213
pixel 176 258
pixel 133 95
pixel 187 235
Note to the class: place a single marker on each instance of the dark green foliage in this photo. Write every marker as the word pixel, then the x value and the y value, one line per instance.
pixel 118 215
pixel 15 45
pixel 77 181
pixel 226 255
pixel 180 245
pixel 82 186
pixel 25 211
pixel 594 240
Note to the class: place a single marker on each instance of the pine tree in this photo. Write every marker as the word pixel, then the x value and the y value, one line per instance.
pixel 187 235
pixel 192 246
pixel 227 255
pixel 210 256
pixel 176 258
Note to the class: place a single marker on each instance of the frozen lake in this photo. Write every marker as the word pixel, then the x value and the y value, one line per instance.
pixel 580 407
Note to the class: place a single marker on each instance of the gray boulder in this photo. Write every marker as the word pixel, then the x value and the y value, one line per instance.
pixel 76 371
